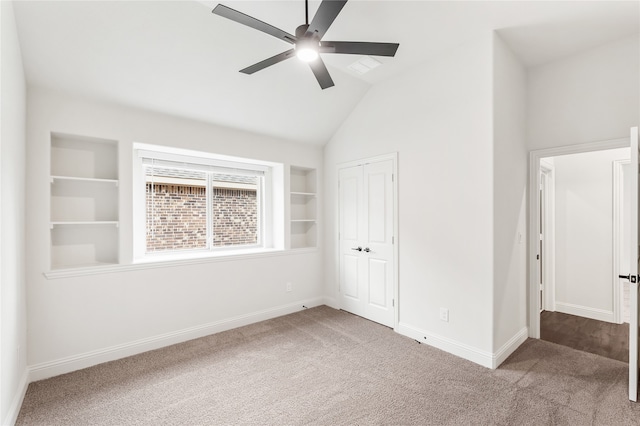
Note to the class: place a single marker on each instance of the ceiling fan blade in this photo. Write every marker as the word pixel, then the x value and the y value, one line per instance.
pixel 268 62
pixel 324 17
pixel 322 74
pixel 254 23
pixel 359 48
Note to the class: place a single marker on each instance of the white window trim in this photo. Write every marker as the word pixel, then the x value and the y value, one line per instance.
pixel 271 215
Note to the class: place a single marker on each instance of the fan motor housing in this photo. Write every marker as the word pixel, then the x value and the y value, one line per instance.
pixel 301 30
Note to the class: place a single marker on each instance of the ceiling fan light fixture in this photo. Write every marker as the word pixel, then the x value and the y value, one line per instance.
pixel 307 42
pixel 307 50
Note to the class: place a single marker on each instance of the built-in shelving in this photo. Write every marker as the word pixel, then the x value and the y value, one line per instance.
pixel 86 223
pixel 84 201
pixel 55 179
pixel 303 214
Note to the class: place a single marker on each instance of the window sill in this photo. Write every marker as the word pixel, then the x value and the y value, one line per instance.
pixel 175 261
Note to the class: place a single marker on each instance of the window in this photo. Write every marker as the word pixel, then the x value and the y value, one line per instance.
pixel 198 203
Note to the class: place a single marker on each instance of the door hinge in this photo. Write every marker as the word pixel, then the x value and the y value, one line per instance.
pixel 392 177
pixel 393 302
pixel 393 239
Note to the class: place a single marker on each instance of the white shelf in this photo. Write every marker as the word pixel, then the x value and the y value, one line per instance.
pixel 88 265
pixel 86 223
pixel 303 207
pixel 83 179
pixel 84 202
pixel 83 157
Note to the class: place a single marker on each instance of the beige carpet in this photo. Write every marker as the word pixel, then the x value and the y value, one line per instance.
pixel 327 367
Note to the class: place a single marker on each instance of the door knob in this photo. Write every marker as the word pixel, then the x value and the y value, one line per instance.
pixel 367 250
pixel 357 248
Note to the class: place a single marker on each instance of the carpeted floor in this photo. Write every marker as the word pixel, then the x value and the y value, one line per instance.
pixel 327 367
pixel 586 334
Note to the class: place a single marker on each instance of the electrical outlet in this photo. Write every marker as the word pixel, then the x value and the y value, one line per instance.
pixel 444 314
pixel 288 287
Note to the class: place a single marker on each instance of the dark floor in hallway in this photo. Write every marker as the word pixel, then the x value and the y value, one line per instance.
pixel 585 334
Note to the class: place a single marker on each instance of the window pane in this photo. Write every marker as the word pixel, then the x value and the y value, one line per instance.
pixel 234 210
pixel 176 209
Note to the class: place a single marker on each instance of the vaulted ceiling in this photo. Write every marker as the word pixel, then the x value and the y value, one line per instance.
pixel 177 57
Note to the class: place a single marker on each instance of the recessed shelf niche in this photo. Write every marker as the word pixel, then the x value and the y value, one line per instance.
pixel 303 197
pixel 84 201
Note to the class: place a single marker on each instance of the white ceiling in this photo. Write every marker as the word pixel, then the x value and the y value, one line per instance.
pixel 178 58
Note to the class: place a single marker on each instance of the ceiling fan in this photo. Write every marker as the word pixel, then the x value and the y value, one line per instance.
pixel 307 43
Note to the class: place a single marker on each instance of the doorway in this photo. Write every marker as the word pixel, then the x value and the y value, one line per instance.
pixel 367 238
pixel 580 211
pixel 577 258
pixel 535 271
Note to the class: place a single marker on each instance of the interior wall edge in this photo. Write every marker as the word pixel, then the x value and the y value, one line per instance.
pixel 18 398
pixel 509 347
pixel 77 362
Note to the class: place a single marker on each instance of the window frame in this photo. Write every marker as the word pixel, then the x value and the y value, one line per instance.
pixel 270 214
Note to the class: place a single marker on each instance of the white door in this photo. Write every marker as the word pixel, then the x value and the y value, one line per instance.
pixel 366 237
pixel 633 276
pixel 633 273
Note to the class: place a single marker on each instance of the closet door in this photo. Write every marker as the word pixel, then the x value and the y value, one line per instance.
pixel 367 267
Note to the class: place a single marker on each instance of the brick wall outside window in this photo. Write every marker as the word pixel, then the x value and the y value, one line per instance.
pixel 235 217
pixel 176 217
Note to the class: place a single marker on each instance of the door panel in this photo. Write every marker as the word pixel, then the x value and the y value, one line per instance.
pixel 349 196
pixel 351 232
pixel 350 277
pixel 379 200
pixel 378 283
pixel 376 196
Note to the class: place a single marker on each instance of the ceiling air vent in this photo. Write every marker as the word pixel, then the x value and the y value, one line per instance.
pixel 364 65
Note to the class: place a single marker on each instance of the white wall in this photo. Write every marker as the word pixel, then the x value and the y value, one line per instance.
pixel 12 210
pixel 587 97
pixel 78 321
pixel 438 117
pixel 584 233
pixel 509 187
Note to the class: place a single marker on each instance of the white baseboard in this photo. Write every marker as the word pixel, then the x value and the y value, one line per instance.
pixel 585 311
pixel 462 350
pixel 16 403
pixel 484 358
pixel 76 362
pixel 508 348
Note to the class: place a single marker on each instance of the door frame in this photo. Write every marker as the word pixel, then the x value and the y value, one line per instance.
pixel 394 158
pixel 534 216
pixel 548 256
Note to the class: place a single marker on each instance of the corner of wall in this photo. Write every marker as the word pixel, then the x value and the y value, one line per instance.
pixel 509 197
pixel 14 408
pixel 13 334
